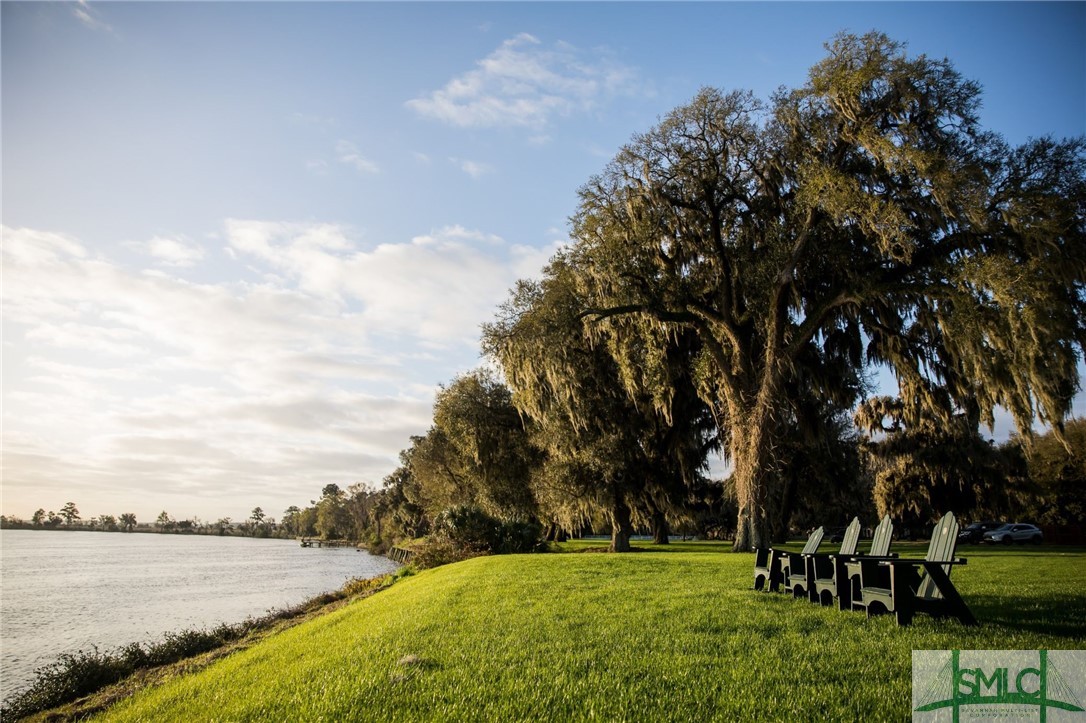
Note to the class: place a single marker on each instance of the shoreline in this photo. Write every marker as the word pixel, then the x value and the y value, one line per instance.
pixel 52 695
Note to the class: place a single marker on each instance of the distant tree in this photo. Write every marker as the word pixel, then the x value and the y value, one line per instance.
pixel 53 520
pixel 11 522
pixel 128 521
pixel 361 507
pixel 487 435
pixel 307 522
pixel 256 519
pixel 70 513
pixel 38 519
pixel 290 520
pixel 222 525
pixel 570 387
pixel 401 503
pixel 863 218
pixel 164 522
pixel 824 477
pixel 333 522
pixel 1057 470
pixel 107 522
pixel 925 466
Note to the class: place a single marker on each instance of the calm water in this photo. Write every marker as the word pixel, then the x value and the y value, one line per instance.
pixel 65 591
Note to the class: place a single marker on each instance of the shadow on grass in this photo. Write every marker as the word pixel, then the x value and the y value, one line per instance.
pixel 1063 615
pixel 601 545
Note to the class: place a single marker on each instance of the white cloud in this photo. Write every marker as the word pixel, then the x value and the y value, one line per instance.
pixel 89 16
pixel 474 169
pixel 348 154
pixel 143 388
pixel 171 251
pixel 437 287
pixel 524 83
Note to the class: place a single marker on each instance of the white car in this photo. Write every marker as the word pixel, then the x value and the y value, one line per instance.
pixel 1015 532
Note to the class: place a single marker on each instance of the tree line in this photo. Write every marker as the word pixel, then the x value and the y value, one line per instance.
pixel 257 525
pixel 734 276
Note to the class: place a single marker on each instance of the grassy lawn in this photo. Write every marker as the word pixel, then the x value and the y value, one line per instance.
pixel 673 634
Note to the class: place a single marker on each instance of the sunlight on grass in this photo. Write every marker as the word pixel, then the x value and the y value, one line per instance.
pixel 668 635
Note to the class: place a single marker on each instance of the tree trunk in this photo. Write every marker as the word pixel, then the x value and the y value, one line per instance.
pixel 621 527
pixel 660 530
pixel 555 533
pixel 779 526
pixel 752 453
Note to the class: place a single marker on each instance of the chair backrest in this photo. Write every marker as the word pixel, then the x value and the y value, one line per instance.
pixel 851 540
pixel 813 542
pixel 944 540
pixel 880 543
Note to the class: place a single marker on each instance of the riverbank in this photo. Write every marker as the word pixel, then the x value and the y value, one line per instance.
pixel 80 685
pixel 667 635
pixel 64 593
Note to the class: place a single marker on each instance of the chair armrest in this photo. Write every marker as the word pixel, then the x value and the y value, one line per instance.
pixel 918 563
pixel 860 556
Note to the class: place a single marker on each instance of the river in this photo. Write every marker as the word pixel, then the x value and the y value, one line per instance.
pixel 61 592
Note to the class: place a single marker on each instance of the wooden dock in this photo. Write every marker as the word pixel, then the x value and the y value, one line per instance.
pixel 401 555
pixel 317 542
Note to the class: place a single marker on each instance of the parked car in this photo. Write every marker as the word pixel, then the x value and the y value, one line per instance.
pixel 974 532
pixel 1015 532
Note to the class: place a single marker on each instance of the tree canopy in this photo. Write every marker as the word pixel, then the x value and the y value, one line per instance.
pixel 862 219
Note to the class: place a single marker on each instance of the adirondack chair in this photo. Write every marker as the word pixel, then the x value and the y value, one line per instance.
pixel 820 565
pixel 906 587
pixel 840 578
pixel 771 566
pixel 767 569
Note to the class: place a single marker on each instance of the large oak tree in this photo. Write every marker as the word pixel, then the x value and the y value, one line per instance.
pixel 864 218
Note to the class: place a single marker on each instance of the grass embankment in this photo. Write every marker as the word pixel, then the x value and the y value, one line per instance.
pixel 661 635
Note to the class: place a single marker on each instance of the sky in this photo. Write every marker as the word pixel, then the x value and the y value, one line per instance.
pixel 244 243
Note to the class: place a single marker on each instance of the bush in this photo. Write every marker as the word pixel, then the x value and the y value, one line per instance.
pixel 470 529
pixel 473 532
pixel 440 550
pixel 71 677
pixel 521 537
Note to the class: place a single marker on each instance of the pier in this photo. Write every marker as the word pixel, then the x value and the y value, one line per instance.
pixel 401 555
pixel 317 542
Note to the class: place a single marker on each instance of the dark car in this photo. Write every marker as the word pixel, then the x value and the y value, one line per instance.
pixel 836 534
pixel 974 532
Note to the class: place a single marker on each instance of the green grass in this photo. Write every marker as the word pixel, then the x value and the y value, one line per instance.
pixel 662 635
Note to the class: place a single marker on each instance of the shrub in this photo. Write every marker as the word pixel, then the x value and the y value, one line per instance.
pixel 461 532
pixel 440 550
pixel 71 677
pixel 521 537
pixel 470 528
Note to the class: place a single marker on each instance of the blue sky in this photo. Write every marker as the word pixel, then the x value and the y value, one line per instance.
pixel 244 242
